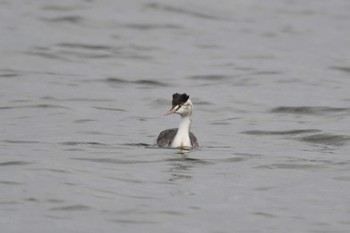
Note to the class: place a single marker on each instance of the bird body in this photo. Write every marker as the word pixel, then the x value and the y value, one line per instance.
pixel 181 137
pixel 166 138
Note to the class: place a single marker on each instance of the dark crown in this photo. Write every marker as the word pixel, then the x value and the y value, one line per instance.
pixel 179 99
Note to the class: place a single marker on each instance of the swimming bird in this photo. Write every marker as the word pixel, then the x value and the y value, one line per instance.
pixel 181 137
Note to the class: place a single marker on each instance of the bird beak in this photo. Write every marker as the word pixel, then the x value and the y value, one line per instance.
pixel 171 111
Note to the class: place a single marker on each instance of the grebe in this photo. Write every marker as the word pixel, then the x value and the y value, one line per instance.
pixel 181 137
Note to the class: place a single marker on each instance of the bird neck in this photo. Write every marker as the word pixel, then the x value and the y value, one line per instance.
pixel 182 137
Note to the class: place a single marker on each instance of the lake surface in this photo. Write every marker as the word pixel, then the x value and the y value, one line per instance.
pixel 84 85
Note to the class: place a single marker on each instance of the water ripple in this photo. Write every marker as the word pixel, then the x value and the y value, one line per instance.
pixel 14 163
pixel 128 221
pixel 287 132
pixel 22 141
pixel 341 68
pixel 110 109
pixel 83 121
pixel 292 166
pixel 343 178
pixel 8 75
pixel 116 161
pixel 182 11
pixel 316 137
pixel 33 106
pixel 6 182
pixel 144 26
pixel 265 214
pixel 82 143
pixel 147 82
pixel 327 139
pixel 308 110
pixel 267 72
pixel 47 55
pixel 9 202
pixel 139 144
pixel 74 19
pixel 72 208
pixel 211 77
pixel 85 46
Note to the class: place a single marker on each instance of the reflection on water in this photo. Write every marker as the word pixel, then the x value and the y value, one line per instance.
pixel 180 171
pixel 180 168
pixel 84 85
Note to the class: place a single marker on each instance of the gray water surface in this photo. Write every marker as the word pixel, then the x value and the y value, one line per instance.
pixel 84 85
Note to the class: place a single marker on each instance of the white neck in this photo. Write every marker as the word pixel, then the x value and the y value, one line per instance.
pixel 182 137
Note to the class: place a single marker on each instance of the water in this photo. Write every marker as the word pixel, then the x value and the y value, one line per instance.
pixel 84 85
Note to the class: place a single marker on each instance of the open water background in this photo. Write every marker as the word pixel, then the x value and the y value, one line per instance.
pixel 84 84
